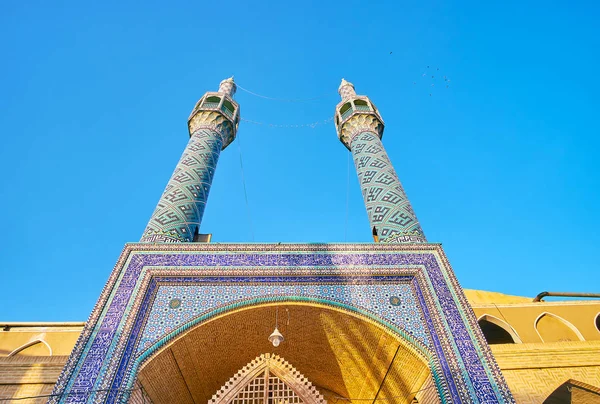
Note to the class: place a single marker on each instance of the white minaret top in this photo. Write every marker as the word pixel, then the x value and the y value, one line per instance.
pixel 228 87
pixel 346 90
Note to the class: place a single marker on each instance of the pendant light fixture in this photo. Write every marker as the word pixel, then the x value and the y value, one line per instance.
pixel 276 338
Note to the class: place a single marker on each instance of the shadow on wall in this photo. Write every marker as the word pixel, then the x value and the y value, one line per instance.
pixel 497 331
pixel 574 392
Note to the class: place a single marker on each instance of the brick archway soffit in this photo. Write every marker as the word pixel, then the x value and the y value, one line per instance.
pixel 337 350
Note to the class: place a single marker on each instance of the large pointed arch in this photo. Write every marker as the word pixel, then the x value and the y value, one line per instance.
pixel 342 345
pixel 257 379
pixel 497 331
pixel 553 328
pixel 585 393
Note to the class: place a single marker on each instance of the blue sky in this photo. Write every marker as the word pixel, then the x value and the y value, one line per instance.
pixel 501 167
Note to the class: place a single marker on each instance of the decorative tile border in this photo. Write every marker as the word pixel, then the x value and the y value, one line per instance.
pixel 123 329
pixel 181 300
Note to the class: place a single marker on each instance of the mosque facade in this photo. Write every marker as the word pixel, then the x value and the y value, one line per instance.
pixel 183 320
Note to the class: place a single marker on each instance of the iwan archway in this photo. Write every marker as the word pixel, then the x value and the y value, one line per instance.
pixel 344 355
pixel 362 302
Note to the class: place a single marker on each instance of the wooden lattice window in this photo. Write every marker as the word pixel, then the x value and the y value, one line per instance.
pixel 253 393
pixel 268 379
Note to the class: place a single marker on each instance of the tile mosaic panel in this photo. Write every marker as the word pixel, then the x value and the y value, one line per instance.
pixel 176 305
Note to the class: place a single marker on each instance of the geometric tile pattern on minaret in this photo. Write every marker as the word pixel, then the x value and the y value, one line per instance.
pixel 179 210
pixel 360 128
pixel 389 210
pixel 212 125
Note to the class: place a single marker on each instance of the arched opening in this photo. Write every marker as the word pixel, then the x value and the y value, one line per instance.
pixel 598 322
pixel 375 235
pixel 552 328
pixel 228 108
pixel 343 355
pixel 497 331
pixel 346 110
pixel 211 102
pixel 574 392
pixel 361 105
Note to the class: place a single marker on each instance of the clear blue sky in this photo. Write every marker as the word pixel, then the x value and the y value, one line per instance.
pixel 502 167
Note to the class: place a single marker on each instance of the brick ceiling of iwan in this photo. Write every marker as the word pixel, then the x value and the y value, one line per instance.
pixel 342 355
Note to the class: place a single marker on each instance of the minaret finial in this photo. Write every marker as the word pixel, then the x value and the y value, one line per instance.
pixel 228 87
pixel 346 90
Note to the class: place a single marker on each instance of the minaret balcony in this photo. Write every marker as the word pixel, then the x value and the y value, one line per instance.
pixel 347 108
pixel 355 114
pixel 218 110
pixel 217 102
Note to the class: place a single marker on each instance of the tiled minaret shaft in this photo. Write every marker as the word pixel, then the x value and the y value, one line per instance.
pixel 212 126
pixel 360 127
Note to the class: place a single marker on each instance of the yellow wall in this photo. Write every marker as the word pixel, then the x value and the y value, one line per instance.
pixel 34 370
pixel 534 371
pixel 560 341
pixel 56 338
pixel 523 316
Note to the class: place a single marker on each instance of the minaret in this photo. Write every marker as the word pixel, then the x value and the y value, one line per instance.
pixel 212 125
pixel 360 127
